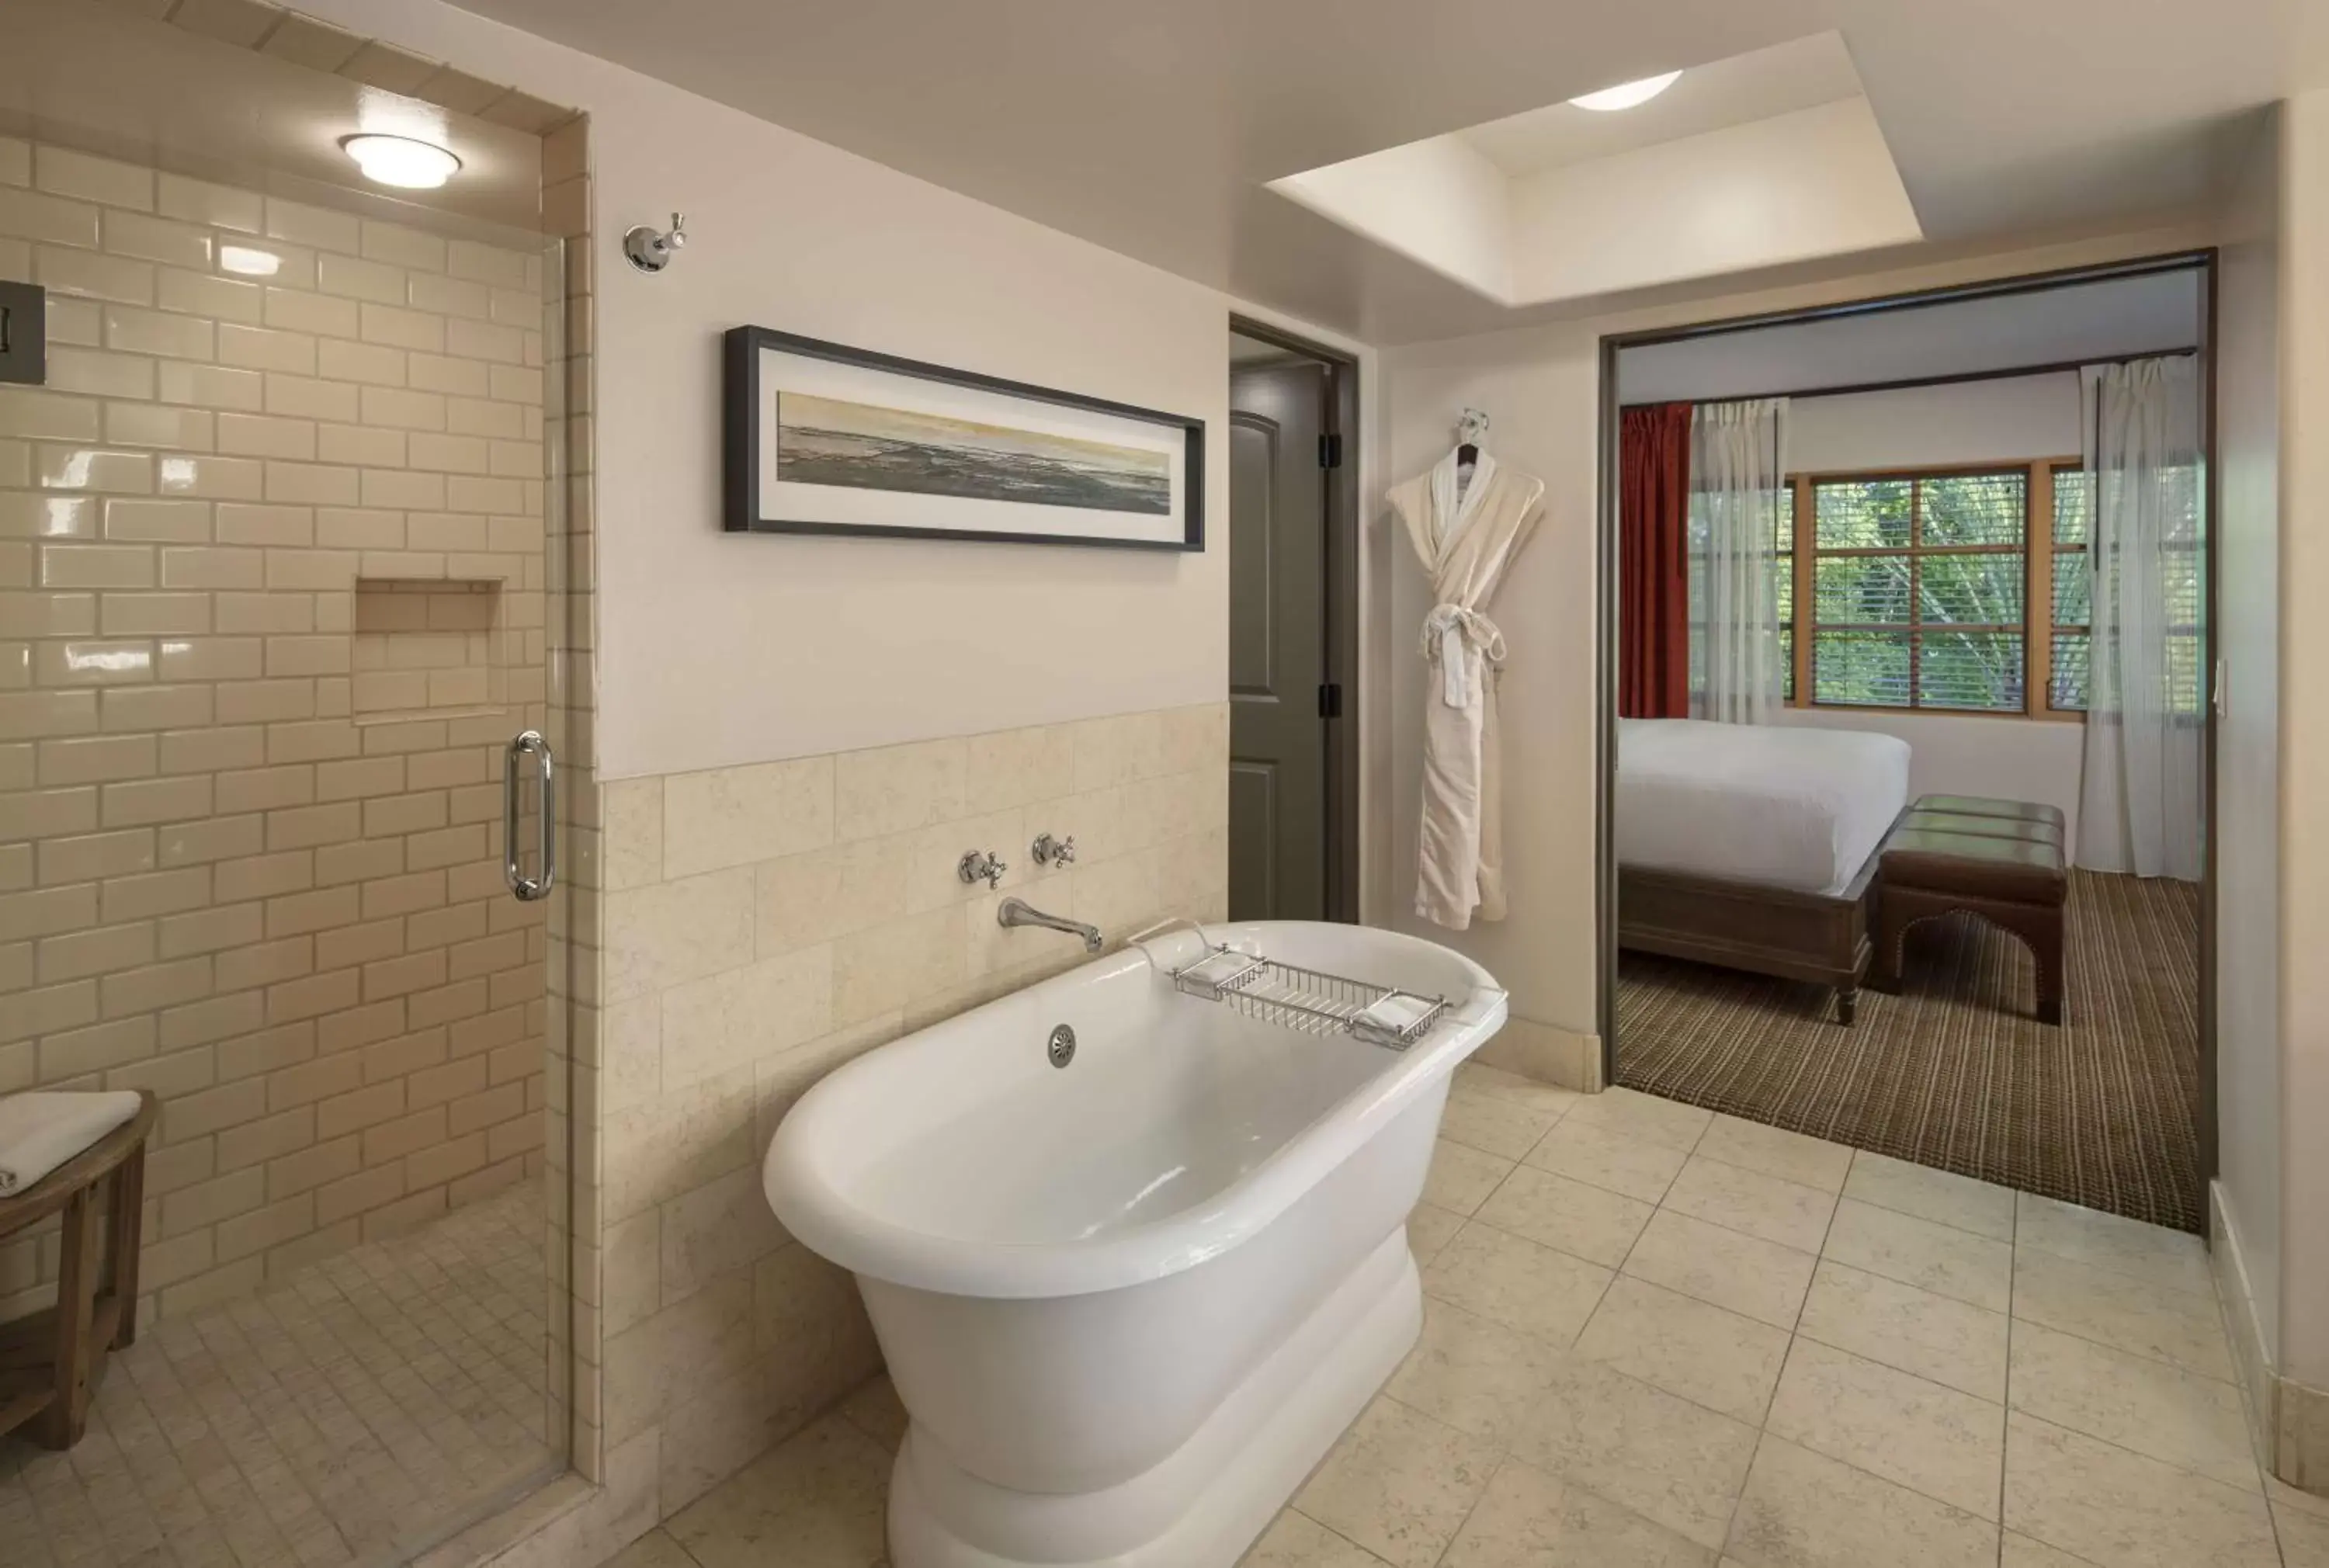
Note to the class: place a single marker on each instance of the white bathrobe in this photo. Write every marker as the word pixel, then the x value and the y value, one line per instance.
pixel 1466 535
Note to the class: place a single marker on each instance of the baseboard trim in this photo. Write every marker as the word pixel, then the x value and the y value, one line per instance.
pixel 1547 1053
pixel 2288 1420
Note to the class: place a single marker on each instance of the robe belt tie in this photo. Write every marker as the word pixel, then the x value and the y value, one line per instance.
pixel 1460 633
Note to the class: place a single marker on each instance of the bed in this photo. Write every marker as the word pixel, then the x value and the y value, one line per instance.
pixel 1754 846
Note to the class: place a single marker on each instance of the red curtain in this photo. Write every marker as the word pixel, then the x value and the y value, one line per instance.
pixel 1653 561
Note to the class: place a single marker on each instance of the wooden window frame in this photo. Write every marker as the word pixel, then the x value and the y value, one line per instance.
pixel 2037 629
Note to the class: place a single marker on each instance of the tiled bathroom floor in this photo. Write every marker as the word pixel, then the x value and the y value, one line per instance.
pixel 1659 1336
pixel 365 1405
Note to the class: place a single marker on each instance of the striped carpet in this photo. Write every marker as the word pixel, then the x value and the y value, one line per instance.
pixel 1953 1072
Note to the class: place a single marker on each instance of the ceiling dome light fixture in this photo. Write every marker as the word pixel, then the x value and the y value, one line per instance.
pixel 400 161
pixel 1626 95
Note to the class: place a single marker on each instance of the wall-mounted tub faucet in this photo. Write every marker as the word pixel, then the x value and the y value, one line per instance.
pixel 1015 912
pixel 1050 852
pixel 981 866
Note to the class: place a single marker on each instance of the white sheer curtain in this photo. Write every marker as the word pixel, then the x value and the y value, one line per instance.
pixel 1738 484
pixel 2141 806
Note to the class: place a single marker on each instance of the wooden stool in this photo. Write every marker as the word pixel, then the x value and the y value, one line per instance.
pixel 49 1362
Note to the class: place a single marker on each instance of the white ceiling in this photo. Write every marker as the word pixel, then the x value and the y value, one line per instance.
pixel 108 80
pixel 1802 74
pixel 1150 126
pixel 2000 334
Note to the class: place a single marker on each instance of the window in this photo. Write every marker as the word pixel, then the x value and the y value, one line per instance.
pixel 1918 587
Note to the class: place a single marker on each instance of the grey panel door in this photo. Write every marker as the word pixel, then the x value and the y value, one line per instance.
pixel 1278 641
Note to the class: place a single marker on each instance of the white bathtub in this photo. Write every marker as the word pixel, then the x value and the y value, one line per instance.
pixel 1130 1302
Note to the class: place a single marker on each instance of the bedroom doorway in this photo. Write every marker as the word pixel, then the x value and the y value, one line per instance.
pixel 1293 787
pixel 1873 866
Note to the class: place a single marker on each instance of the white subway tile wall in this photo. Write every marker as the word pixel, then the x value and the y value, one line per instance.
pixel 241 862
pixel 763 925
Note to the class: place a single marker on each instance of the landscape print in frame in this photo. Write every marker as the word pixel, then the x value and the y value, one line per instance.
pixel 825 438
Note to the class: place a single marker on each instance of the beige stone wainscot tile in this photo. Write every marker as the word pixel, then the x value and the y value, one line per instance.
pixel 811 1331
pixel 1517 1282
pixel 1949 1341
pixel 1786 1212
pixel 717 1229
pixel 893 789
pixel 733 816
pixel 1941 1195
pixel 632 1271
pixel 1474 1374
pixel 816 1499
pixel 1948 1445
pixel 2189 1421
pixel 1117 750
pixel 876 970
pixel 1702 1353
pixel 661 935
pixel 1938 1258
pixel 1461 1178
pixel 1586 1221
pixel 1016 768
pixel 678 1353
pixel 1591 1153
pixel 1803 1510
pixel 2106 1504
pixel 932 857
pixel 1119 895
pixel 727 1020
pixel 807 898
pixel 2171 1260
pixel 631 834
pixel 779 1081
pixel 1762 1279
pixel 679 1141
pixel 1398 1484
pixel 1660 1455
pixel 2176 1327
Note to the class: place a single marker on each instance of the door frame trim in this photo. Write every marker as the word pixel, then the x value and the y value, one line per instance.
pixel 2203 259
pixel 1342 419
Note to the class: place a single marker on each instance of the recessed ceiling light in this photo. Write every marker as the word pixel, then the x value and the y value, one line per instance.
pixel 400 161
pixel 1625 95
pixel 250 260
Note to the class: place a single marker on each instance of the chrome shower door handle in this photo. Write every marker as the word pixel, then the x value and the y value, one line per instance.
pixel 529 888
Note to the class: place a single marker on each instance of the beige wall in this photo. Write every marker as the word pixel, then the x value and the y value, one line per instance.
pixel 2247 1009
pixel 1540 385
pixel 2304 992
pixel 220 883
pixel 766 923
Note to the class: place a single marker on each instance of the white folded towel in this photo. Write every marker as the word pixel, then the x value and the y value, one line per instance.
pixel 41 1130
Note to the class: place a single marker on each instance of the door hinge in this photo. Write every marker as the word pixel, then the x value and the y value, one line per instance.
pixel 1330 451
pixel 1330 700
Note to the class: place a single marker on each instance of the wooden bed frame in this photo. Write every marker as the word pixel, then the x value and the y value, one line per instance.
pixel 1820 937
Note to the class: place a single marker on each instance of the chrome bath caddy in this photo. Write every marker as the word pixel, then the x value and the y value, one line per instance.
pixel 1310 1000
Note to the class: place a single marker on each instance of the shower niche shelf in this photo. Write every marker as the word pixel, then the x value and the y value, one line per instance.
pixel 428 648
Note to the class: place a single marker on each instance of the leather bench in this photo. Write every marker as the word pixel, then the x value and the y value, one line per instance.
pixel 2003 861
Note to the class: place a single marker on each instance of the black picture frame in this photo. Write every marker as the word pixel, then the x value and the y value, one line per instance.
pixel 740 454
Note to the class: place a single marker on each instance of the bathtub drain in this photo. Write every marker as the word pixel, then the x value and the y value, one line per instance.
pixel 1061 1048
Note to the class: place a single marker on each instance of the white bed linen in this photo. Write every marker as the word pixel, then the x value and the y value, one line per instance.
pixel 1787 807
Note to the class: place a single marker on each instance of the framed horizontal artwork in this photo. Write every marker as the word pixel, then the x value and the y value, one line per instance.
pixel 821 438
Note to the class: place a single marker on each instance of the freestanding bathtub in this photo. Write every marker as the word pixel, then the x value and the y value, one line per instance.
pixel 1129 1301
